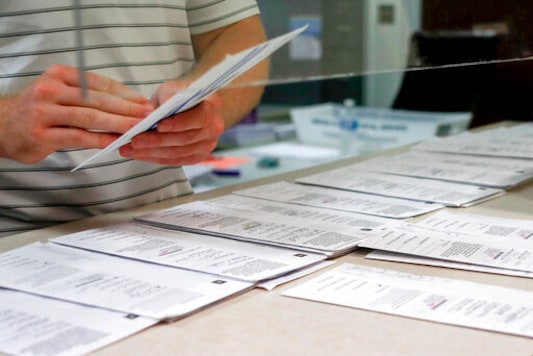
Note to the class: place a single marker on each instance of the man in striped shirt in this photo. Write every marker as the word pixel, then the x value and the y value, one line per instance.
pixel 137 54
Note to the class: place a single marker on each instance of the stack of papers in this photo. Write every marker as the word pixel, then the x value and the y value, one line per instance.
pixel 513 142
pixel 281 230
pixel 112 283
pixel 352 222
pixel 410 188
pixel 503 173
pixel 201 253
pixel 461 240
pixel 341 200
pixel 32 325
pixel 458 247
pixel 217 77
pixel 455 171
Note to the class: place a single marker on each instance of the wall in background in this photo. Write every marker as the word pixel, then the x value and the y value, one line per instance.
pixel 348 37
pixel 388 27
pixel 312 68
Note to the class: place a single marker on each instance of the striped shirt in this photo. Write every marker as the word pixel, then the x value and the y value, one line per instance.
pixel 141 43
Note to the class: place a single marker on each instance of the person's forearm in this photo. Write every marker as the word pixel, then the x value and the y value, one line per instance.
pixel 239 99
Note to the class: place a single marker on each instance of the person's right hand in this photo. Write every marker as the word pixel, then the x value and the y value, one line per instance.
pixel 50 114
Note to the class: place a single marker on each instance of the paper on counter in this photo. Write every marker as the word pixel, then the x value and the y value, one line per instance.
pixel 460 222
pixel 504 230
pixel 33 325
pixel 110 282
pixel 480 250
pixel 441 300
pixel 417 260
pixel 259 227
pixel 494 172
pixel 502 142
pixel 214 79
pixel 419 189
pixel 340 200
pixel 202 253
pixel 351 222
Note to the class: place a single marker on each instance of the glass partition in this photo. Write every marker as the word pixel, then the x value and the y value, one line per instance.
pixel 352 37
pixel 370 75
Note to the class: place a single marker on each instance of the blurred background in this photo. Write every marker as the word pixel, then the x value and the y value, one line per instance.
pixel 367 50
pixel 370 75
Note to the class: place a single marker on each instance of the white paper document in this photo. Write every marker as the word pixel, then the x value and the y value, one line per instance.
pixel 506 230
pixel 214 79
pixel 202 253
pixel 460 222
pixel 494 172
pixel 113 283
pixel 259 227
pixel 417 260
pixel 36 326
pixel 340 200
pixel 480 250
pixel 502 142
pixel 349 220
pixel 440 300
pixel 419 189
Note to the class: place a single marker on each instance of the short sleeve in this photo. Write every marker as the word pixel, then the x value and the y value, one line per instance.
pixel 208 15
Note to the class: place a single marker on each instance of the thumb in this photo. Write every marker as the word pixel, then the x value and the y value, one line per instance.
pixel 167 90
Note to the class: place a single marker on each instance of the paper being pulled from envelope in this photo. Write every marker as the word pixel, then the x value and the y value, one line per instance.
pixel 215 78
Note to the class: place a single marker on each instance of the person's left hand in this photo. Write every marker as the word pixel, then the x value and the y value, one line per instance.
pixel 185 138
